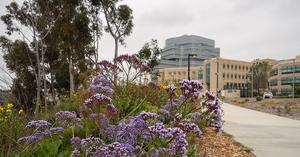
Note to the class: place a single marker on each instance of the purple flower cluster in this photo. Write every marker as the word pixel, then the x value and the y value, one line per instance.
pixel 213 105
pixel 35 137
pixel 107 69
pixel 129 130
pixel 99 98
pixel 57 130
pixel 178 143
pixel 41 131
pixel 189 126
pixel 171 90
pixel 171 105
pixel 134 61
pixel 38 124
pixel 101 84
pixel 95 147
pixel 190 89
pixel 67 119
pixel 148 115
pixel 112 110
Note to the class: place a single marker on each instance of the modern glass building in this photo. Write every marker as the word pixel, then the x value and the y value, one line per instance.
pixel 176 50
pixel 284 76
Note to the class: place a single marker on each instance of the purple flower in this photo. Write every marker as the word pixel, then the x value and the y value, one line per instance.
pixel 75 153
pixel 67 118
pixel 99 98
pixel 190 89
pixel 148 115
pixel 159 152
pixel 57 130
pixel 38 124
pixel 90 142
pixel 108 132
pixel 75 142
pixel 171 90
pixel 188 126
pixel 101 84
pixel 35 137
pixel 112 110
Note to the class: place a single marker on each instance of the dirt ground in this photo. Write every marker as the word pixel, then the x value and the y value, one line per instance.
pixel 286 107
pixel 223 145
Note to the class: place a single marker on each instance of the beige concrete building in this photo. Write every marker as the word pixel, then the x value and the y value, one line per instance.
pixel 168 75
pixel 220 73
pixel 283 74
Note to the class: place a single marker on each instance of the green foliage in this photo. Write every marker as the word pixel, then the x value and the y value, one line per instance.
pixel 192 151
pixel 12 123
pixel 259 73
pixel 51 147
pixel 150 53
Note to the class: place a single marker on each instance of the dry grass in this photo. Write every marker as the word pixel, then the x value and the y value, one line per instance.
pixel 286 107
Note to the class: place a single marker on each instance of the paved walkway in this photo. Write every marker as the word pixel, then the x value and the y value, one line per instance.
pixel 268 135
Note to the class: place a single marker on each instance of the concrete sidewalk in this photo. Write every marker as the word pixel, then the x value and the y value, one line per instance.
pixel 269 135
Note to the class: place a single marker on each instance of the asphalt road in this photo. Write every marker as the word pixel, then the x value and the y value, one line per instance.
pixel 268 135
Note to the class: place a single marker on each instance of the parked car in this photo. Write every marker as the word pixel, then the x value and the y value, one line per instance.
pixel 267 95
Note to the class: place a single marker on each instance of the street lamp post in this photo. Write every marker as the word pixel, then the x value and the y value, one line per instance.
pixel 189 64
pixel 294 68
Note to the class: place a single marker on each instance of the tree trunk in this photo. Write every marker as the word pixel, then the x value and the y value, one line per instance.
pixel 45 81
pixel 71 74
pixel 52 86
pixel 38 79
pixel 116 55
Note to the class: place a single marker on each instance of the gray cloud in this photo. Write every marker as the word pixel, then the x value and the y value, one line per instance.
pixel 243 29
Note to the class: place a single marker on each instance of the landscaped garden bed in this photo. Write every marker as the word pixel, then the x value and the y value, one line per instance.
pixel 121 118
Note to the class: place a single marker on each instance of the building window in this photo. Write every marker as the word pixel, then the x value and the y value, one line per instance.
pixel 231 66
pixel 243 68
pixel 174 73
pixel 231 76
pixel 290 69
pixel 200 75
pixel 227 66
pixel 243 77
pixel 239 67
pixel 224 66
pixel 207 75
pixel 246 68
pixel 239 76
pixel 223 75
pixel 170 73
pixel 235 76
pixel 274 72
pixel 289 80
pixel 179 73
pixel 228 76
pixel 235 67
pixel 273 82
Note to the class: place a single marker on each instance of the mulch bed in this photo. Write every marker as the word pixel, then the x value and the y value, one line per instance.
pixel 221 145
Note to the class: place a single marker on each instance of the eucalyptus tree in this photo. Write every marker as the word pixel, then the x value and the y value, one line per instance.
pixel 28 19
pixel 119 21
pixel 150 53
pixel 259 72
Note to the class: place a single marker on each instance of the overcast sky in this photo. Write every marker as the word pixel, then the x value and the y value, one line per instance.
pixel 242 29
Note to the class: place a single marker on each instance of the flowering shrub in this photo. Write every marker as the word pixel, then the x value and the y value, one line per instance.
pixel 127 68
pixel 164 133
